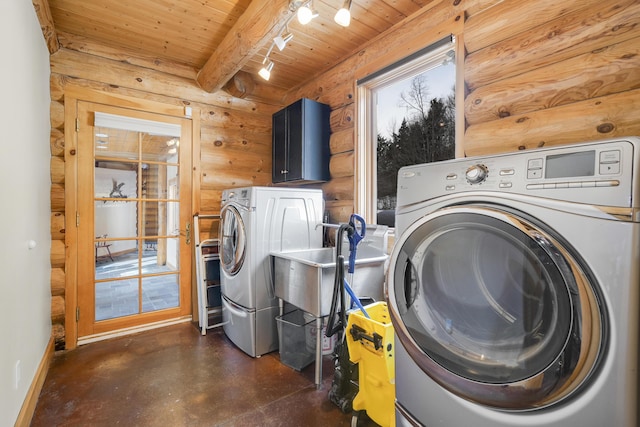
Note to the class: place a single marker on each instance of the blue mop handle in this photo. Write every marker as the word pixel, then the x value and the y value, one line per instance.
pixel 355 299
pixel 354 239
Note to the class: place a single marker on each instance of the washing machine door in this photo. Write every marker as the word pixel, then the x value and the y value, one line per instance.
pixel 233 239
pixel 495 308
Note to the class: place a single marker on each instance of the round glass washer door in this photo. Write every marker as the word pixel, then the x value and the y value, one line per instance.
pixel 495 309
pixel 233 239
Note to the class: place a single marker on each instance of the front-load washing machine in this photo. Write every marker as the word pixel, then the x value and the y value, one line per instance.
pixel 254 222
pixel 513 288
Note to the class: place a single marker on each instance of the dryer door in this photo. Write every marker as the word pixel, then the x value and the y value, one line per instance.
pixel 233 239
pixel 494 308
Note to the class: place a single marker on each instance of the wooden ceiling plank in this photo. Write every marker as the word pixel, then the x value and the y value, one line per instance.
pixel 46 24
pixel 256 27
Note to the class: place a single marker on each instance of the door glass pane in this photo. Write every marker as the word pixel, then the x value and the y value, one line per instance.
pixel 115 180
pixel 160 292
pixel 118 143
pixel 116 259
pixel 160 148
pixel 116 219
pixel 162 258
pixel 116 298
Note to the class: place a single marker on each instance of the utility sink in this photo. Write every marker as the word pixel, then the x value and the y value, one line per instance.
pixel 305 278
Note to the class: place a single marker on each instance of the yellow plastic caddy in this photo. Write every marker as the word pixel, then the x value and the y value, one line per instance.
pixel 370 343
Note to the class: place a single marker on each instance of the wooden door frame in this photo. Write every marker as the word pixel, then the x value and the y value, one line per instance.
pixel 73 95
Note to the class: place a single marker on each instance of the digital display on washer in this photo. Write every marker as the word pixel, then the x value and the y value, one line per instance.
pixel 582 163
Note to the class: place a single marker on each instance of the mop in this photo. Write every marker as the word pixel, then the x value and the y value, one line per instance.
pixel 344 388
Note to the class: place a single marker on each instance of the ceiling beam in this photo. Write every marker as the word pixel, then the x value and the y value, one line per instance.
pixel 257 26
pixel 46 24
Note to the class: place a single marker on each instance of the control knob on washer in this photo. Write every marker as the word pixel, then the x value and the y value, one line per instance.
pixel 476 174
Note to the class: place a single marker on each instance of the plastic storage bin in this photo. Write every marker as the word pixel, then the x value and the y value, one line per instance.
pixel 370 343
pixel 293 329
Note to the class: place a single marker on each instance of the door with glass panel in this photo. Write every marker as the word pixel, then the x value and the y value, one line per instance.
pixel 133 218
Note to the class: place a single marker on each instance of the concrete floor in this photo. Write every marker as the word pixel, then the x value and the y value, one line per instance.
pixel 175 377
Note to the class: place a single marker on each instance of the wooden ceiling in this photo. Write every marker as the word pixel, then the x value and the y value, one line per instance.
pixel 219 42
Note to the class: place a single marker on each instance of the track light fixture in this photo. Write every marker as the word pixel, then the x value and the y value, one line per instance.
pixel 306 13
pixel 265 71
pixel 343 16
pixel 282 40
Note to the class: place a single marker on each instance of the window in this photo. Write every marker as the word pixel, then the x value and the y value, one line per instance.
pixel 406 116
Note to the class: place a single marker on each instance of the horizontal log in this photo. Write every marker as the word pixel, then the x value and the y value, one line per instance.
pixel 571 35
pixel 342 141
pixel 57 143
pixel 85 45
pixel 217 179
pixel 56 87
pixel 340 94
pixel 210 200
pixel 57 281
pixel 56 112
pixel 46 24
pixel 57 170
pixel 89 67
pixel 205 109
pixel 341 164
pixel 600 118
pixel 341 188
pixel 217 139
pixel 602 72
pixel 58 333
pixel 57 309
pixel 236 158
pixel 472 8
pixel 225 118
pixel 57 226
pixel 57 254
pixel 508 18
pixel 339 210
pixel 57 198
pixel 343 118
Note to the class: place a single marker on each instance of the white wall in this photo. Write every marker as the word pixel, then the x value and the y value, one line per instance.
pixel 25 297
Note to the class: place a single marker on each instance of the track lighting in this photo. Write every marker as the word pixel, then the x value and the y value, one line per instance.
pixel 306 13
pixel 265 71
pixel 343 16
pixel 282 40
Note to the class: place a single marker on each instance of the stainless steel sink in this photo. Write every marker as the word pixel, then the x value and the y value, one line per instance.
pixel 305 278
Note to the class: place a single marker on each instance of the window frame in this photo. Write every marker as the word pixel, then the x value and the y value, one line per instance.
pixel 365 179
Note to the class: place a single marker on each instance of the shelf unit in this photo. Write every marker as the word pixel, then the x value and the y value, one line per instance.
pixel 207 254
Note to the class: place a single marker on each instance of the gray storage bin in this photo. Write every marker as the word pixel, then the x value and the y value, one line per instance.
pixel 293 329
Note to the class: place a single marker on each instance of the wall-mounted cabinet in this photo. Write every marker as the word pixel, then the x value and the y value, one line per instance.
pixel 301 143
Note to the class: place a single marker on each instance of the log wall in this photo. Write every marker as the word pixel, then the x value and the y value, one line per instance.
pixel 537 73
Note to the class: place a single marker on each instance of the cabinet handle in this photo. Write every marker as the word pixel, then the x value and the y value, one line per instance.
pixel 284 171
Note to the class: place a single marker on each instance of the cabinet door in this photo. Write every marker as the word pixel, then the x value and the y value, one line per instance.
pixel 279 140
pixel 296 118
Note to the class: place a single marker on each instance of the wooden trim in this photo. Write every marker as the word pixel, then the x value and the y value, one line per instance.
pixel 121 101
pixel 453 25
pixel 460 95
pixel 71 230
pixel 29 404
